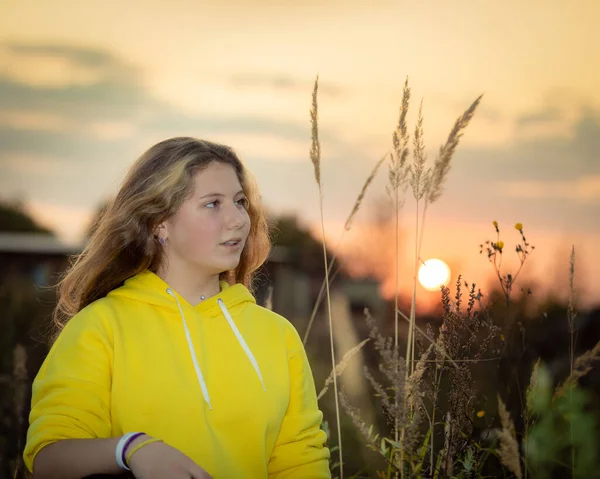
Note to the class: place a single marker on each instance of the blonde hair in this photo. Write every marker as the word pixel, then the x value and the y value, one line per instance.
pixel 122 242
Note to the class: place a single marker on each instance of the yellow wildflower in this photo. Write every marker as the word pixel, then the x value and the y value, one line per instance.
pixel 519 226
pixel 480 413
pixel 496 224
pixel 500 245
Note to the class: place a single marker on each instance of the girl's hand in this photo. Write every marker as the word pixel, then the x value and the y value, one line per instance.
pixel 159 460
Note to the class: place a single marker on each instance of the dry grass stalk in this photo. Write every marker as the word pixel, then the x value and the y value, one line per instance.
pixel 315 156
pixel 398 173
pixel 436 343
pixel 419 177
pixel 571 310
pixel 416 390
pixel 445 463
pixel 528 415
pixel 419 181
pixel 347 226
pixel 400 139
pixel 320 297
pixel 381 393
pixel 583 365
pixel 442 163
pixel 571 320
pixel 362 193
pixel 414 380
pixel 465 337
pixel 532 388
pixel 509 447
pixel 341 367
pixel 433 182
pixel 392 368
pixel 315 149
pixel 397 176
pixel 428 184
pixel 392 362
pixel 372 438
pixel 358 421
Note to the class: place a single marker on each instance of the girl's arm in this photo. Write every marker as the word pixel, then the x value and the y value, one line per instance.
pixel 70 418
pixel 300 451
pixel 77 458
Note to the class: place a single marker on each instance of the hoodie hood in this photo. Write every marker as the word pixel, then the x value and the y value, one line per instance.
pixel 147 287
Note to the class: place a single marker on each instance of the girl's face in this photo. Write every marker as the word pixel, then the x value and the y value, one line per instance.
pixel 210 229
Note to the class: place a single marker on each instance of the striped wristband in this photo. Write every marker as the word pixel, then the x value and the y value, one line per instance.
pixel 122 446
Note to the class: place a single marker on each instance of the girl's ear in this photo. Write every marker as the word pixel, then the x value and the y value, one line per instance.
pixel 160 231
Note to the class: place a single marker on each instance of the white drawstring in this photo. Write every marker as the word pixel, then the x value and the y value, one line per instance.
pixel 192 352
pixel 237 334
pixel 239 337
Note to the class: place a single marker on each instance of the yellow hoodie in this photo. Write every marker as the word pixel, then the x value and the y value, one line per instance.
pixel 226 382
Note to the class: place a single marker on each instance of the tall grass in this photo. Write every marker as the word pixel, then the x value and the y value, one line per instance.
pixel 430 436
pixel 398 174
pixel 315 156
pixel 426 184
pixel 347 226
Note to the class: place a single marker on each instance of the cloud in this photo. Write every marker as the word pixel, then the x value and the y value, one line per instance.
pixel 82 103
pixel 550 113
pixel 32 120
pixel 58 119
pixel 67 88
pixel 118 96
pixel 548 180
pixel 63 65
pixel 283 82
pixel 93 131
pixel 90 57
pixel 584 189
pixel 543 158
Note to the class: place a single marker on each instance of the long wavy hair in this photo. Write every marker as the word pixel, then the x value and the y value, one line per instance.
pixel 122 241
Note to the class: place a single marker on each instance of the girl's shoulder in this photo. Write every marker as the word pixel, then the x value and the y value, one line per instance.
pixel 97 317
pixel 89 332
pixel 268 316
pixel 271 319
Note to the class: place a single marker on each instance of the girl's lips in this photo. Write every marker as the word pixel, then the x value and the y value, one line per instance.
pixel 232 241
pixel 232 245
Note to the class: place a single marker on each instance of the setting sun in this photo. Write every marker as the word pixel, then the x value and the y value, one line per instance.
pixel 434 273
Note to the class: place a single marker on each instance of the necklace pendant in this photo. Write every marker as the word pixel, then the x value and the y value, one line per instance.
pixel 202 298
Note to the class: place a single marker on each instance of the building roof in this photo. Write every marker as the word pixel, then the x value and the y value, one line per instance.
pixel 43 243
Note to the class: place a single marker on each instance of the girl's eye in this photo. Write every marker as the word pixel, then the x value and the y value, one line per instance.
pixel 213 204
pixel 243 202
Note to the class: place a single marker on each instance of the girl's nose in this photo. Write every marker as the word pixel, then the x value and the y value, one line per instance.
pixel 236 218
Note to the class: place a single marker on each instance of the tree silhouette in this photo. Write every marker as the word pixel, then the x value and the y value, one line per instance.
pixel 14 219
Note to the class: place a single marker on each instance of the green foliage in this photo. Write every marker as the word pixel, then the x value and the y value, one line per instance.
pixel 564 435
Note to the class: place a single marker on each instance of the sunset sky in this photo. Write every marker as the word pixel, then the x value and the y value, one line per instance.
pixel 85 89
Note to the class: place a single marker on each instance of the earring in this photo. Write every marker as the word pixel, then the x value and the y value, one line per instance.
pixel 162 241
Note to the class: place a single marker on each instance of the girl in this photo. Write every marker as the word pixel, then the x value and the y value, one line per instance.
pixel 164 365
